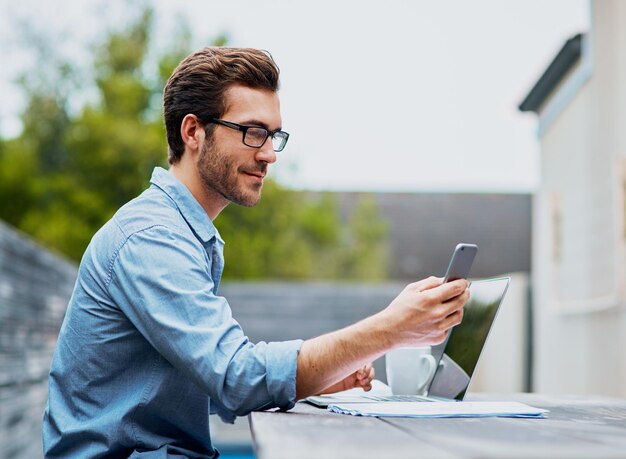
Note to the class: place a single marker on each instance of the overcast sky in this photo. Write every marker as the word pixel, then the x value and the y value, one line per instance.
pixel 377 95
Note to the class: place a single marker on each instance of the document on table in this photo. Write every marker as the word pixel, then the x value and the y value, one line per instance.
pixel 439 409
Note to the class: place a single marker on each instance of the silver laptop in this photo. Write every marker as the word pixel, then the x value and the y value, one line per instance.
pixel 456 358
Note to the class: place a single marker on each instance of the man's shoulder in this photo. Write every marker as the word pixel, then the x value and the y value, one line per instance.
pixel 151 209
pixel 149 222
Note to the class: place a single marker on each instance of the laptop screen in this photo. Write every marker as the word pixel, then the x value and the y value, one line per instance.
pixel 459 355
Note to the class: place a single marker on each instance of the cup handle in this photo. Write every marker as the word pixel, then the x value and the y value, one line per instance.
pixel 432 366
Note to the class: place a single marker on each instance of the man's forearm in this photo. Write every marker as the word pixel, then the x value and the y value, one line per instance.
pixel 328 358
pixel 420 315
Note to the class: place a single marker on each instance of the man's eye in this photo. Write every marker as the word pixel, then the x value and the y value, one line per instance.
pixel 256 134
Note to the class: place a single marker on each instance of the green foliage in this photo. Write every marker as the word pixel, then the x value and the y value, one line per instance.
pixel 69 171
pixel 280 237
pixel 18 166
pixel 366 254
pixel 297 235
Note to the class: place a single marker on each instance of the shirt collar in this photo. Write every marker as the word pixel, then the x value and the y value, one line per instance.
pixel 188 206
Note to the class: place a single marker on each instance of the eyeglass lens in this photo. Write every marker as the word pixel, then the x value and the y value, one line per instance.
pixel 255 137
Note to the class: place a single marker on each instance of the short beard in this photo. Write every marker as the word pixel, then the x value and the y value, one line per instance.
pixel 218 174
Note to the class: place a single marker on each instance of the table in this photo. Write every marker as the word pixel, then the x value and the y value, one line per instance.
pixel 576 427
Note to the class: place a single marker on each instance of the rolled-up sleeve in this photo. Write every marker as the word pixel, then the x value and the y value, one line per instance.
pixel 161 280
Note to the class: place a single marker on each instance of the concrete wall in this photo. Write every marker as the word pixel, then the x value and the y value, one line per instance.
pixel 281 311
pixel 35 286
pixel 579 256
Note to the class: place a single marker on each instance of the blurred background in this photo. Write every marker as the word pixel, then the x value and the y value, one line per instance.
pixel 414 126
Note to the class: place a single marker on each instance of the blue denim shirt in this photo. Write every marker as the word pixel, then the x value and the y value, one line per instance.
pixel 148 348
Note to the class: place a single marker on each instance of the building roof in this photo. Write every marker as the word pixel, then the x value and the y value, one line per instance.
pixel 565 60
pixel 424 228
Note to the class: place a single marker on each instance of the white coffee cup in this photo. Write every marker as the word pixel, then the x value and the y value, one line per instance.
pixel 410 370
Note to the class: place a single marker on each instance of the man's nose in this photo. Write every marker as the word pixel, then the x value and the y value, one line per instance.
pixel 266 152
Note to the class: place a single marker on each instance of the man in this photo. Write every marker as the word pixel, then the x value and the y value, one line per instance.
pixel 148 348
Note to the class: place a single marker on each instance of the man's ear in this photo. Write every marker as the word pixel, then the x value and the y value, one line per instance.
pixel 192 133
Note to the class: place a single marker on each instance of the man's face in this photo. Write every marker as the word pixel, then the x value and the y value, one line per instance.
pixel 225 164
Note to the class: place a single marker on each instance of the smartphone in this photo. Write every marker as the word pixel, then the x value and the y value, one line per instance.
pixel 459 268
pixel 461 262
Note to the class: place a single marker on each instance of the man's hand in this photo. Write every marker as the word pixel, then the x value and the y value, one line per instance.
pixel 361 378
pixel 425 311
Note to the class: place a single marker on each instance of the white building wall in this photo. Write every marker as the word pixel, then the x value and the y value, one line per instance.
pixel 578 254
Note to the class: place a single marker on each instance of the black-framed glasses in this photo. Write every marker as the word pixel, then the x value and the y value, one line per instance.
pixel 256 136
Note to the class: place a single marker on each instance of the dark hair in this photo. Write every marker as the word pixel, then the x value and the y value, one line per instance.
pixel 198 85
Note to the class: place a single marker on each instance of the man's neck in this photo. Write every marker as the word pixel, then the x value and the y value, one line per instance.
pixel 211 201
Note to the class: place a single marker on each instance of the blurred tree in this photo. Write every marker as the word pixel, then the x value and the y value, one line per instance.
pixel 298 235
pixel 365 249
pixel 280 237
pixel 69 171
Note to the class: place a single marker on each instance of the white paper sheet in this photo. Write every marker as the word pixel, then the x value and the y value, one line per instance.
pixel 439 409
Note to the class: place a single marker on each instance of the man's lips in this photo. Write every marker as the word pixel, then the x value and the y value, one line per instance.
pixel 256 174
pixel 259 174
